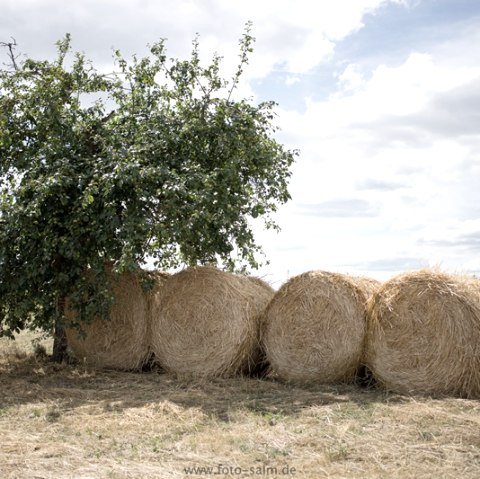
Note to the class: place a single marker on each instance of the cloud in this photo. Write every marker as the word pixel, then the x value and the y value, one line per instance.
pixel 298 38
pixel 469 241
pixel 393 152
pixel 391 264
pixel 379 185
pixel 453 234
pixel 291 80
pixel 340 208
pixel 351 78
pixel 450 114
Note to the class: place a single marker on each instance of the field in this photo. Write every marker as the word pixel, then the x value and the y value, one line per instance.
pixel 72 422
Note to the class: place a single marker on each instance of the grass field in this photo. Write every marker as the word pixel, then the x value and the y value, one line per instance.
pixel 72 422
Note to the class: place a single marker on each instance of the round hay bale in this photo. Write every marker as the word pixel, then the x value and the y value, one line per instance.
pixel 205 322
pixel 122 341
pixel 314 328
pixel 424 334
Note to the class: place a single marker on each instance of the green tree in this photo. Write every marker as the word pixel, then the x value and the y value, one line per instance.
pixel 154 160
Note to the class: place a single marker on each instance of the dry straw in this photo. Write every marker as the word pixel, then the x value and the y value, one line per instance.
pixel 424 334
pixel 205 322
pixel 314 328
pixel 122 341
pixel 158 280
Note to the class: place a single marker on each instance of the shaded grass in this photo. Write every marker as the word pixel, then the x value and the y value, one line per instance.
pixel 71 422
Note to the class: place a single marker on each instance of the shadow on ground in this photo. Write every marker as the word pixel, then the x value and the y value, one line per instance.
pixel 30 381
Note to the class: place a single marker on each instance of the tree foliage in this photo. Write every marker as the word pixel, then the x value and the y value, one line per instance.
pixel 154 160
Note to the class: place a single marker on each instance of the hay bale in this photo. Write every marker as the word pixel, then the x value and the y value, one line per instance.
pixel 424 334
pixel 206 322
pixel 122 341
pixel 314 328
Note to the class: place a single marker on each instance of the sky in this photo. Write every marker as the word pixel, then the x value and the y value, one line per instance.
pixel 381 97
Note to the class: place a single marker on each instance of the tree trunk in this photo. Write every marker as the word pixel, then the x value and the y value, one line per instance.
pixel 59 336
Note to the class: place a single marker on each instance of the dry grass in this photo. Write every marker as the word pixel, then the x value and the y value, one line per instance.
pixel 205 322
pixel 424 334
pixel 59 422
pixel 25 344
pixel 314 328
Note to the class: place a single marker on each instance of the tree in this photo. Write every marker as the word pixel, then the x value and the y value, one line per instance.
pixel 154 160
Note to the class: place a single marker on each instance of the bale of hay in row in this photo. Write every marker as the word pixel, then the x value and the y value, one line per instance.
pixel 122 342
pixel 424 334
pixel 314 328
pixel 205 322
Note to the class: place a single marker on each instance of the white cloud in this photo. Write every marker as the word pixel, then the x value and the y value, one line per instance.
pixel 299 37
pixel 291 80
pixel 351 78
pixel 295 37
pixel 378 140
pixel 315 48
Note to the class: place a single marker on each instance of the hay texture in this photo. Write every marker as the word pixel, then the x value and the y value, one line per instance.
pixel 157 280
pixel 368 286
pixel 424 334
pixel 314 328
pixel 205 322
pixel 122 341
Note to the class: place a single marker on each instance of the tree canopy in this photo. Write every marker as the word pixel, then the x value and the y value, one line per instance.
pixel 154 160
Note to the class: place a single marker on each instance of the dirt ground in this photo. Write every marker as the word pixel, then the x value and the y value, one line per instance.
pixel 70 421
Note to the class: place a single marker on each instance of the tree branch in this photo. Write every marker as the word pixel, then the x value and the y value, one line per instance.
pixel 11 52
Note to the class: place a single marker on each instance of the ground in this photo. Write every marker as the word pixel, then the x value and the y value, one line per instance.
pixel 70 421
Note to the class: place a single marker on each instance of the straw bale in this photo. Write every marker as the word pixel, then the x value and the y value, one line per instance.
pixel 121 342
pixel 314 328
pixel 424 334
pixel 205 322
